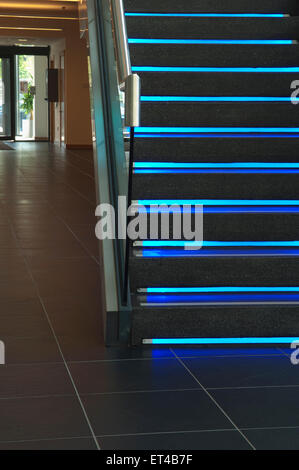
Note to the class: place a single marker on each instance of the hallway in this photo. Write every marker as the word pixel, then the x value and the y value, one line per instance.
pixel 60 388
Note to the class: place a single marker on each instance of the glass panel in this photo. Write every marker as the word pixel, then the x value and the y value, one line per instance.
pixel 5 108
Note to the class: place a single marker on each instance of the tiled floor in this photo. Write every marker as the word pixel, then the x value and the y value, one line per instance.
pixel 60 387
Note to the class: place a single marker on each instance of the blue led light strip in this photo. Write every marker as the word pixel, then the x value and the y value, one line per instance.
pixel 224 170
pixel 217 135
pixel 214 165
pixel 146 68
pixel 207 130
pixel 216 252
pixel 212 41
pixel 218 99
pixel 207 341
pixel 238 209
pixel 194 290
pixel 211 15
pixel 179 243
pixel 220 202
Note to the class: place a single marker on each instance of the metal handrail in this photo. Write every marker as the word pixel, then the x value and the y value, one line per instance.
pixel 129 83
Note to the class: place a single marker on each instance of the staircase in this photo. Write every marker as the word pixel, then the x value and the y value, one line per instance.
pixel 218 127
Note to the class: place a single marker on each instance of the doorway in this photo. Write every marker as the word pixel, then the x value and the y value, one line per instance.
pixel 24 109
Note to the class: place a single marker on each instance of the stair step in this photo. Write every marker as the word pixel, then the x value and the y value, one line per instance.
pixel 213 322
pixel 216 84
pixel 216 149
pixel 213 28
pixel 216 186
pixel 236 114
pixel 218 271
pixel 244 227
pixel 219 6
pixel 215 55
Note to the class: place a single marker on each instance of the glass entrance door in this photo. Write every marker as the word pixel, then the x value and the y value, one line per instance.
pixel 5 98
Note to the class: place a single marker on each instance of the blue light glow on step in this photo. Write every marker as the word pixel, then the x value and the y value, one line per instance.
pixel 206 171
pixel 212 41
pixel 216 135
pixel 146 68
pixel 176 165
pixel 180 243
pixel 188 290
pixel 220 202
pixel 231 209
pixel 210 341
pixel 204 99
pixel 242 167
pixel 222 298
pixel 210 15
pixel 216 252
pixel 194 130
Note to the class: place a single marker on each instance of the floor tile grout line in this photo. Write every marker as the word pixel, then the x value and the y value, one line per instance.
pixel 60 349
pixel 137 391
pixel 194 431
pixel 24 441
pixel 158 433
pixel 33 397
pixel 250 387
pixel 213 400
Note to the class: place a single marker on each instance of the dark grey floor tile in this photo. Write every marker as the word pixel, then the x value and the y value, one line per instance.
pixel 230 351
pixel 121 376
pixel 153 412
pixel 55 444
pixel 91 348
pixel 34 380
pixel 41 418
pixel 245 371
pixel 212 440
pixel 30 350
pixel 260 407
pixel 274 439
pixel 19 290
pixel 123 353
pixel 18 325
pixel 76 277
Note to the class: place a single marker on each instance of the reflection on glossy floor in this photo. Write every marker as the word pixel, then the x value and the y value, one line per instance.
pixel 60 388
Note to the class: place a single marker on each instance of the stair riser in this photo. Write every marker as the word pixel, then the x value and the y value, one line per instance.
pixel 213 150
pixel 175 272
pixel 215 322
pixel 206 6
pixel 216 186
pixel 213 28
pixel 216 84
pixel 246 227
pixel 177 55
pixel 220 114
